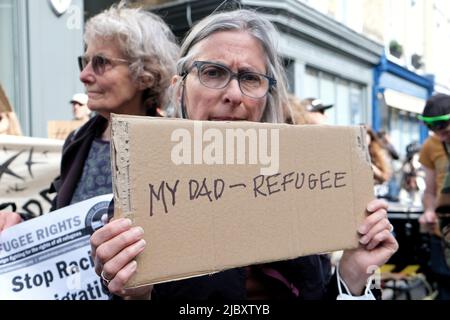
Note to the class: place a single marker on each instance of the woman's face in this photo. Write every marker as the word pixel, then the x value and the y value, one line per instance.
pixel 113 90
pixel 239 51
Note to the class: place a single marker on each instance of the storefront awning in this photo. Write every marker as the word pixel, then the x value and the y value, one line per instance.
pixel 404 101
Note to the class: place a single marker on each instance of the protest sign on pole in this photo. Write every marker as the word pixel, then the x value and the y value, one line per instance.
pixel 49 257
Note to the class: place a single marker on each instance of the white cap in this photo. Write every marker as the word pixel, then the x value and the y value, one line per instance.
pixel 81 98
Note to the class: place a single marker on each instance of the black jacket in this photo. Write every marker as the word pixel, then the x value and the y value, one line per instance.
pixel 311 275
pixel 75 151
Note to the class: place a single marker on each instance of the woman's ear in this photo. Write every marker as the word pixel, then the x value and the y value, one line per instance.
pixel 145 82
pixel 175 84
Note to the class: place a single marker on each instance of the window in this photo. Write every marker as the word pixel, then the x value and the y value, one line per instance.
pixel 347 96
pixel 289 65
pixel 404 128
pixel 7 47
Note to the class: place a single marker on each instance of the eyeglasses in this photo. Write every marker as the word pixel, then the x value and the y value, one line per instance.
pixel 99 63
pixel 216 76
pixel 436 123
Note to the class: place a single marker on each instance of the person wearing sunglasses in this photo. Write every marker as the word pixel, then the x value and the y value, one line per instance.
pixel 434 159
pixel 230 70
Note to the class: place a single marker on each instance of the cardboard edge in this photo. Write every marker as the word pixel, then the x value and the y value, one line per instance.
pixel 136 284
pixel 120 162
pixel 361 166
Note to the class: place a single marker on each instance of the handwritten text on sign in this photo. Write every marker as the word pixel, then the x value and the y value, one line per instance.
pixel 260 186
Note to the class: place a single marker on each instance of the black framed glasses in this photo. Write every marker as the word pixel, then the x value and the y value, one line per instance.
pixel 436 123
pixel 217 76
pixel 99 63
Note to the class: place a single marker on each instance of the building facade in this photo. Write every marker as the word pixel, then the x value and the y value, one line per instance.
pixel 399 95
pixel 40 43
pixel 323 58
pixel 415 34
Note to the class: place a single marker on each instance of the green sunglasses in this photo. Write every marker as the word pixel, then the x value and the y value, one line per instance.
pixel 437 122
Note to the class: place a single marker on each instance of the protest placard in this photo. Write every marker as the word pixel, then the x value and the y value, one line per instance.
pixel 49 257
pixel 217 195
pixel 27 168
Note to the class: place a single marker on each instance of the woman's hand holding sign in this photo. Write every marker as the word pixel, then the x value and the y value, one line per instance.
pixel 114 248
pixel 377 245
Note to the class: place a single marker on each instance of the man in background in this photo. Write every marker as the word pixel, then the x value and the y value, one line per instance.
pixel 80 108
pixel 434 158
pixel 316 110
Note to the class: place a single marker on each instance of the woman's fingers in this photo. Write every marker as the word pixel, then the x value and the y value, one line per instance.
pixel 119 261
pixel 118 282
pixel 377 239
pixel 108 232
pixel 377 204
pixel 387 241
pixel 107 250
pixel 380 226
pixel 372 220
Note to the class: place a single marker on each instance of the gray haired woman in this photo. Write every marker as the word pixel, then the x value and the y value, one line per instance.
pixel 221 48
pixel 127 68
pixel 263 32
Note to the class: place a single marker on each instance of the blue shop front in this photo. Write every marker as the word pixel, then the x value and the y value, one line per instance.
pixel 399 95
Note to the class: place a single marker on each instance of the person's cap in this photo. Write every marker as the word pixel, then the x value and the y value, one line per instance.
pixel 437 105
pixel 436 114
pixel 81 98
pixel 315 105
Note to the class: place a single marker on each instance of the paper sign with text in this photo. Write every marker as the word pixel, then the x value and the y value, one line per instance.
pixel 218 195
pixel 48 257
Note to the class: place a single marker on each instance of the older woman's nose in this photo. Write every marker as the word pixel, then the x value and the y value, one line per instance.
pixel 233 93
pixel 87 74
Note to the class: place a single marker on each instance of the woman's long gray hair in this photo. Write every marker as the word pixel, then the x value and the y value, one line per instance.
pixel 260 28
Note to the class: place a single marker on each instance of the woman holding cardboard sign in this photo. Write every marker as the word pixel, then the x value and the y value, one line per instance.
pixel 229 70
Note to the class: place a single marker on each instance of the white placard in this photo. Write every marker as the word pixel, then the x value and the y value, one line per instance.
pixel 49 257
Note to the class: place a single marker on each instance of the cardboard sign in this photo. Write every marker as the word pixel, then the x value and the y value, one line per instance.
pixel 61 129
pixel 5 106
pixel 217 195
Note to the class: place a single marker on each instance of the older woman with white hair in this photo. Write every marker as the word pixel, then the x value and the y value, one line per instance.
pixel 220 49
pixel 127 67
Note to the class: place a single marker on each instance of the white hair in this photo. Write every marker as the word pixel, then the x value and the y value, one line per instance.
pixel 262 30
pixel 146 41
